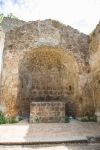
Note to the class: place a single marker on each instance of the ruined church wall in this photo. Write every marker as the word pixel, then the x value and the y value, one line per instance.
pixel 39 34
pixel 94 48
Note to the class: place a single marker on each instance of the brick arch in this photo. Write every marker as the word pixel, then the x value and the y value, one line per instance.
pixel 46 74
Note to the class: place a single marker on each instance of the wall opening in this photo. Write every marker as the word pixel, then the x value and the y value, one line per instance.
pixel 45 74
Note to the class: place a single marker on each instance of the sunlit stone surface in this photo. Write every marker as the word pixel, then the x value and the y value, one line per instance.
pixel 48 61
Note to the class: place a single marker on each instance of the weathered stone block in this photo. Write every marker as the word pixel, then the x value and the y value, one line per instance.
pixel 47 112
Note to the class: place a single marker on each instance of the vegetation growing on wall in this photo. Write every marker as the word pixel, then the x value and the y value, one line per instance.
pixel 5 120
pixel 1 17
pixel 11 15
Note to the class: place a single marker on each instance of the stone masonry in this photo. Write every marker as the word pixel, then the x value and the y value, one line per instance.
pixel 46 61
pixel 47 112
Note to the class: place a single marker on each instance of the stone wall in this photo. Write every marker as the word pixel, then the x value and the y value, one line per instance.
pixel 2 38
pixel 95 65
pixel 47 112
pixel 9 23
pixel 46 60
pixel 47 74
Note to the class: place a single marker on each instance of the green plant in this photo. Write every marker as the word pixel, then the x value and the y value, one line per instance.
pixel 3 119
pixel 84 120
pixel 89 119
pixel 12 120
pixel 37 119
pixel 10 15
pixel 20 118
pixel 66 119
pixel 1 17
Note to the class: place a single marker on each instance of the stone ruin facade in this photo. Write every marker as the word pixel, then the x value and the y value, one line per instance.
pixel 48 62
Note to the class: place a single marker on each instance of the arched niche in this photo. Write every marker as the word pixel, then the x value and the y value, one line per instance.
pixel 46 74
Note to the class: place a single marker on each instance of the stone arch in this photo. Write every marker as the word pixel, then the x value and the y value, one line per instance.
pixel 46 74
